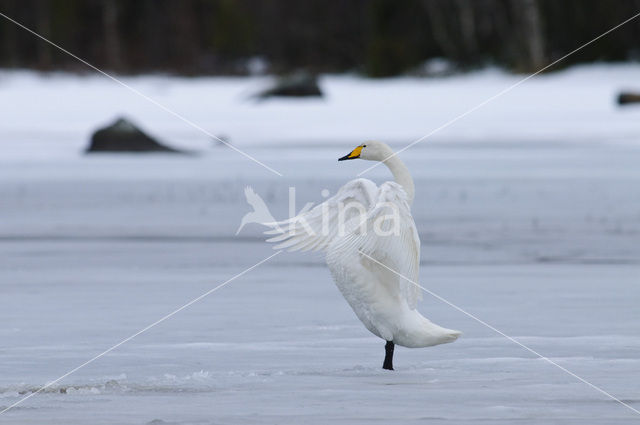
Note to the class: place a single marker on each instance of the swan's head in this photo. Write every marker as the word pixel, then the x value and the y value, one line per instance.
pixel 372 151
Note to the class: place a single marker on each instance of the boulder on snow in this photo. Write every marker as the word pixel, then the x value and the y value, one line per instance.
pixel 628 97
pixel 124 136
pixel 297 85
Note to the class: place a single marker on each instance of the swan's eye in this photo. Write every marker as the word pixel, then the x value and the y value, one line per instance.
pixel 364 146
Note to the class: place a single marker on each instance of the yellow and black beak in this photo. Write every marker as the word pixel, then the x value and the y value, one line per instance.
pixel 353 155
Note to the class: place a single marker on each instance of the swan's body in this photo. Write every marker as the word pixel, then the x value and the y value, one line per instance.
pixel 370 240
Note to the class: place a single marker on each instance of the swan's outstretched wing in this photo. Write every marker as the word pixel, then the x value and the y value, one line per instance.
pixel 317 228
pixel 390 237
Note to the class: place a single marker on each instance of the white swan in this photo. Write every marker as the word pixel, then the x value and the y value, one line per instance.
pixel 360 227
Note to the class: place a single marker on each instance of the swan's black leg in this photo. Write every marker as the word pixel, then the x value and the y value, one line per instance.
pixel 388 356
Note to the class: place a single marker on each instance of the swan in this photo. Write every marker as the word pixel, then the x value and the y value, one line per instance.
pixel 370 238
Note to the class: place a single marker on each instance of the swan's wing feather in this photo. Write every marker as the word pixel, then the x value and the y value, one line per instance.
pixel 316 228
pixel 390 237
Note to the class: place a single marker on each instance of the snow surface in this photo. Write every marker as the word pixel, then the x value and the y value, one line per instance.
pixel 55 114
pixel 528 211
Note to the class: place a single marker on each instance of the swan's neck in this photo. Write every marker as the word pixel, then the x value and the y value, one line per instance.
pixel 402 176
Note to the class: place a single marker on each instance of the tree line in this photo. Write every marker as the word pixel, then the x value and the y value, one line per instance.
pixel 377 38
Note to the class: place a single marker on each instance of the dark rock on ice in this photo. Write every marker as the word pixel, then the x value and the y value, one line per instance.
pixel 124 136
pixel 297 85
pixel 628 97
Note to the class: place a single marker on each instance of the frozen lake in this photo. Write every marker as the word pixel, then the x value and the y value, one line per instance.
pixel 539 240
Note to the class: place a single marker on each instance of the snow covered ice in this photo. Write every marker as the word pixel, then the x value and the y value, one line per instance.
pixel 528 211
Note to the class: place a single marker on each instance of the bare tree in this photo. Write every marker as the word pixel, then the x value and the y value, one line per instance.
pixel 467 25
pixel 43 25
pixel 113 57
pixel 438 23
pixel 533 33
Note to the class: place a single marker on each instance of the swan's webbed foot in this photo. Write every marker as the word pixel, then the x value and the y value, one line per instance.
pixel 388 356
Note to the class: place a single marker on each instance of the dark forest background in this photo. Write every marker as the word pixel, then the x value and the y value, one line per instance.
pixel 374 37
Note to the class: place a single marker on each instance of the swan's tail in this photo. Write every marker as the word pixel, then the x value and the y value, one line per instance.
pixel 444 337
pixel 437 335
pixel 451 335
pixel 425 333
